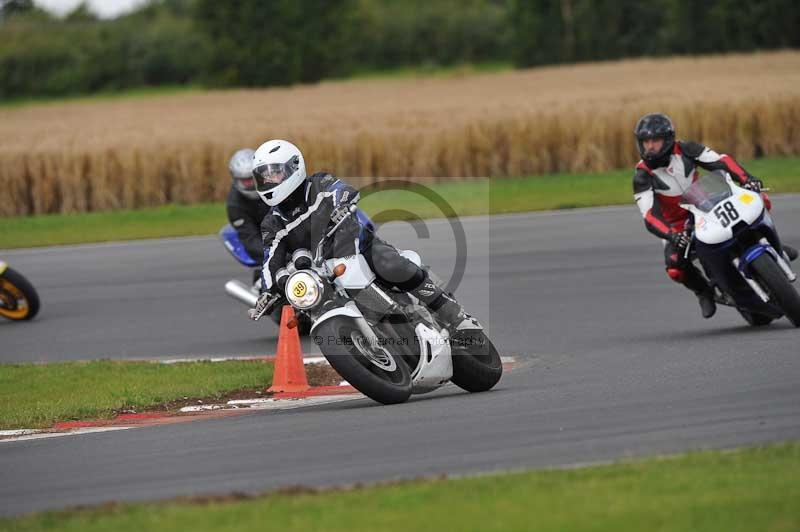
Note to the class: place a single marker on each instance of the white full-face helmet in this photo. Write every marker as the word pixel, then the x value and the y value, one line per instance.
pixel 278 168
pixel 241 169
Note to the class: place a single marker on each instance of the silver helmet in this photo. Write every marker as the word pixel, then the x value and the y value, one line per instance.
pixel 241 169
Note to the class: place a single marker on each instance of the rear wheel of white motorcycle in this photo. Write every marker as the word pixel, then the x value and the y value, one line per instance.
pixel 780 289
pixel 378 373
pixel 476 363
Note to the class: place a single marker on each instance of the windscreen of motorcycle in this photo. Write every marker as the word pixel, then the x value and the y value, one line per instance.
pixel 720 207
pixel 707 191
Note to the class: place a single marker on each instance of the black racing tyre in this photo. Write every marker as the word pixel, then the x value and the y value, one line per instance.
pixel 780 289
pixel 383 376
pixel 18 299
pixel 476 363
pixel 756 320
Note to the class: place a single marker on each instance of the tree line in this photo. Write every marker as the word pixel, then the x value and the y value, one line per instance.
pixel 281 42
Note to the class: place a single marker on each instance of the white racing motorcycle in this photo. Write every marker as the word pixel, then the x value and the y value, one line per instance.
pixel 382 341
pixel 736 243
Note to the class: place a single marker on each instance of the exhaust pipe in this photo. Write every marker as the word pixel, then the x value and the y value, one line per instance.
pixel 241 292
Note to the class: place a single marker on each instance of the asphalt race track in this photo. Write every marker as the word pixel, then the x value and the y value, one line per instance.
pixel 614 360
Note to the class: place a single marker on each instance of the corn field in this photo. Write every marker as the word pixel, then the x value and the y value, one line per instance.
pixel 110 154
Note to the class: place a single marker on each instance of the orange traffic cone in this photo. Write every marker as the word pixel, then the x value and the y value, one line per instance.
pixel 290 374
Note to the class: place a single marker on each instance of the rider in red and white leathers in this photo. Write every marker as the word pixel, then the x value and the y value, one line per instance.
pixel 667 168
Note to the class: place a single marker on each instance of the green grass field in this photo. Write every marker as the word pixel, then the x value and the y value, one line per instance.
pixel 480 196
pixel 749 489
pixel 127 94
pixel 421 71
pixel 433 71
pixel 37 395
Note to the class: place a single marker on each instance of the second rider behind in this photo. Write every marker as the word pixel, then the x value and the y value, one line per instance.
pixel 245 209
pixel 302 209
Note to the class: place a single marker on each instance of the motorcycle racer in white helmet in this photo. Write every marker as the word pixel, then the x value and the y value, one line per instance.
pixel 278 169
pixel 302 209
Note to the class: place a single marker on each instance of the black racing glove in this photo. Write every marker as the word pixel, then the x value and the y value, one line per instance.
pixel 265 304
pixel 680 240
pixel 753 184
pixel 339 213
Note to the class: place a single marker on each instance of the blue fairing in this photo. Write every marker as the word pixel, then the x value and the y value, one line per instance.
pixel 232 243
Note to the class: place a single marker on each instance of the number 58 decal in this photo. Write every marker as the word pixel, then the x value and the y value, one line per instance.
pixel 726 213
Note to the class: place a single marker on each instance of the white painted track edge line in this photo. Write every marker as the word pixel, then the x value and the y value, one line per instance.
pixel 74 432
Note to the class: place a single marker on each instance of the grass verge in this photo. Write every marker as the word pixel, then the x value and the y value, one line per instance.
pixel 37 395
pixel 748 489
pixel 110 95
pixel 136 93
pixel 479 196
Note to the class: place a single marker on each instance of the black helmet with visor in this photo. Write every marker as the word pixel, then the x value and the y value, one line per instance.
pixel 655 126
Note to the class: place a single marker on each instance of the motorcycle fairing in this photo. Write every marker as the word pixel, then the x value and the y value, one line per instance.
pixel 357 273
pixel 435 365
pixel 717 264
pixel 235 247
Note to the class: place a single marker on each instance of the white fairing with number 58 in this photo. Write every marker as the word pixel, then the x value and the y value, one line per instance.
pixel 716 225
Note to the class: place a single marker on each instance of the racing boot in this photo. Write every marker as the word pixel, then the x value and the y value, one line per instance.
pixel 446 309
pixel 790 252
pixel 695 282
pixel 708 307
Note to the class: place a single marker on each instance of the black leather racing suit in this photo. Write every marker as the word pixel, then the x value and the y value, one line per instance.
pixel 245 215
pixel 302 219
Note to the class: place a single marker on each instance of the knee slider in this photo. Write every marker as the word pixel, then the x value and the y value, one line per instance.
pixel 676 274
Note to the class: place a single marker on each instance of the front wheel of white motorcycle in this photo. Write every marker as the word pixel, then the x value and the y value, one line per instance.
pixel 373 370
pixel 778 286
pixel 477 366
pixel 755 320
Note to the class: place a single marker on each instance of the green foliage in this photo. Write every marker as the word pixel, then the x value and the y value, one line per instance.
pixel 15 7
pixel 43 56
pixel 281 42
pixel 557 31
pixel 308 40
pixel 430 33
pixel 276 43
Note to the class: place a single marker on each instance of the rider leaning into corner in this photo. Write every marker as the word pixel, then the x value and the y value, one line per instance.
pixel 245 209
pixel 667 168
pixel 302 207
